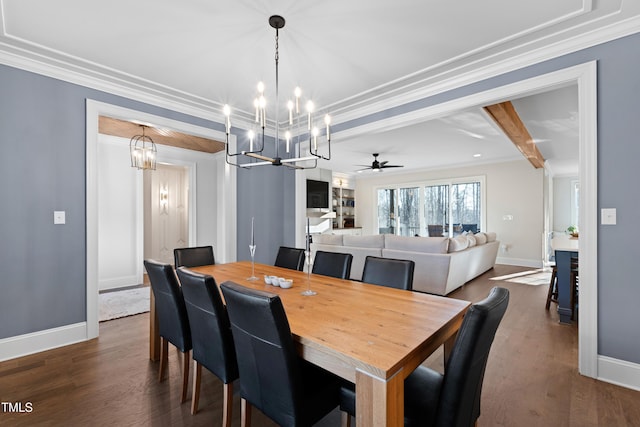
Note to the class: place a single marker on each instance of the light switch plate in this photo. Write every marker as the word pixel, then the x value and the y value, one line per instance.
pixel 608 216
pixel 59 217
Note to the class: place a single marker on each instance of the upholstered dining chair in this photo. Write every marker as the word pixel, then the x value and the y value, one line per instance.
pixel 390 272
pixel 173 322
pixel 292 258
pixel 211 337
pixel 334 264
pixel 194 256
pixel 432 399
pixel 287 389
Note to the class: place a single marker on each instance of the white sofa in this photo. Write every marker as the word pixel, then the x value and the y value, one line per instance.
pixel 441 264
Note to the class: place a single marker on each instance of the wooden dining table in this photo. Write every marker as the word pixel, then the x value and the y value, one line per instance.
pixel 373 336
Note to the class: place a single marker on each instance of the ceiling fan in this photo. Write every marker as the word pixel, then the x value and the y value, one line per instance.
pixel 378 166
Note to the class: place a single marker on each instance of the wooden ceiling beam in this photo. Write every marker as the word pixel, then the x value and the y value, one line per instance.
pixel 506 117
pixel 125 129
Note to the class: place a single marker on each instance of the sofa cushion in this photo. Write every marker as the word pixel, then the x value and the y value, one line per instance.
pixel 472 239
pixel 373 241
pixel 433 245
pixel 481 238
pixel 458 243
pixel 491 236
pixel 328 239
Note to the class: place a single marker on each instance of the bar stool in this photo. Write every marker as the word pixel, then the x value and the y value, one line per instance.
pixel 552 293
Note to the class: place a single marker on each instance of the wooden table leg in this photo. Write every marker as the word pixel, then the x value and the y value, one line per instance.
pixel 154 337
pixel 379 402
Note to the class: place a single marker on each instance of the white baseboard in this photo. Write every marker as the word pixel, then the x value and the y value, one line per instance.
pixel 520 261
pixel 118 282
pixel 35 342
pixel 619 372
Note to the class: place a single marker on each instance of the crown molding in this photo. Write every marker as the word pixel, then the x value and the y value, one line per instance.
pixel 434 81
pixel 471 68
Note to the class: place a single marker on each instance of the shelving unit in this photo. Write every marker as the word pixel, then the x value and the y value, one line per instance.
pixel 344 205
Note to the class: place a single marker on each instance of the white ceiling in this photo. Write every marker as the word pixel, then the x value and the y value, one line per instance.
pixel 346 55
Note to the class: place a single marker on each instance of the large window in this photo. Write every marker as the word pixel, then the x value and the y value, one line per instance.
pixel 409 211
pixel 443 208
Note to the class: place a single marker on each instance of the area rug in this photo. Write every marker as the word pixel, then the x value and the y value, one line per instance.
pixel 113 305
pixel 532 277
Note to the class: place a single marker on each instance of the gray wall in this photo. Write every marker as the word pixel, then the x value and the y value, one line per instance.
pixel 42 169
pixel 261 195
pixel 618 150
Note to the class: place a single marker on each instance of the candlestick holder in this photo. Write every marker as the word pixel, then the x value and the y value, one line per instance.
pixel 309 262
pixel 252 251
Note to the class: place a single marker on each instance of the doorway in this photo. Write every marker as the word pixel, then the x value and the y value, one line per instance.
pixel 166 211
pixel 141 215
pixel 211 221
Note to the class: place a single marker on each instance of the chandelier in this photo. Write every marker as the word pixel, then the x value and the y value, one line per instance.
pixel 296 126
pixel 143 151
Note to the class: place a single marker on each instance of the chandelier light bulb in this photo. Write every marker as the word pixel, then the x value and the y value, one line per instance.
pixel 260 88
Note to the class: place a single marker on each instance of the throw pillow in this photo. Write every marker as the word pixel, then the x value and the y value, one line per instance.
pixel 458 243
pixel 481 238
pixel 472 240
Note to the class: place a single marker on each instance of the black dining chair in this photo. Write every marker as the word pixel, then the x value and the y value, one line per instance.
pixel 432 399
pixel 194 256
pixel 292 258
pixel 334 264
pixel 390 272
pixel 173 322
pixel 211 336
pixel 273 378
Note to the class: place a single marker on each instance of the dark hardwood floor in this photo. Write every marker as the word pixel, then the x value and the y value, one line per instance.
pixel 531 378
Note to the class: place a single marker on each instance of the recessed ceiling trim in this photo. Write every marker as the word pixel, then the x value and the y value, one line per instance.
pixel 432 82
pixel 610 25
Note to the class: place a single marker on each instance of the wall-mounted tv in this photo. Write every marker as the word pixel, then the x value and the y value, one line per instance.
pixel 317 194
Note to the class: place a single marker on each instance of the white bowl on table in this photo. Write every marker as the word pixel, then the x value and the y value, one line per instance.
pixel 285 283
pixel 271 280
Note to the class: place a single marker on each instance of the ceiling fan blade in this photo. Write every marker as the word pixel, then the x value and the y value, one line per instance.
pixel 365 166
pixel 392 166
pixel 383 163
